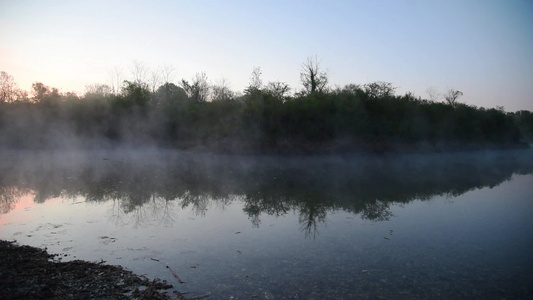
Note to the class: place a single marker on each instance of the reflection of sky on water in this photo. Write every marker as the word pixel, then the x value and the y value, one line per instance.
pixel 442 245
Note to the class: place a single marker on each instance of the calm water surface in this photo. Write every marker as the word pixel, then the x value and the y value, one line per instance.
pixel 324 227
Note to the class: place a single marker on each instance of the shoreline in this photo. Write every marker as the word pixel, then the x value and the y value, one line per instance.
pixel 337 147
pixel 32 273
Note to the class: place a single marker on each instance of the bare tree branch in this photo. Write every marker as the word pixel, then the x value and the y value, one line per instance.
pixel 139 71
pixel 198 89
pixel 117 78
pixel 222 91
pixel 278 89
pixel 451 97
pixel 433 94
pixel 313 79
pixel 256 83
pixel 155 80
pixel 167 73
pixel 8 88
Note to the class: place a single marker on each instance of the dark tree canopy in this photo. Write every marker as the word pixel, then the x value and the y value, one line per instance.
pixel 266 118
pixel 379 89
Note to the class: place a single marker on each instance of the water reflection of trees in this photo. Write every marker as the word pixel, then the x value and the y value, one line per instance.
pixel 9 195
pixel 148 184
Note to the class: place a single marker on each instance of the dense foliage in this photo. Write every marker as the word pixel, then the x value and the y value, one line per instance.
pixel 264 119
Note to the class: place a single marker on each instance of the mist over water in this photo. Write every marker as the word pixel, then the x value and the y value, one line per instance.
pixel 314 189
pixel 322 226
pixel 171 174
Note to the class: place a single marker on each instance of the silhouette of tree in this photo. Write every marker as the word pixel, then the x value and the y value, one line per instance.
pixel 134 93
pixel 170 93
pixel 166 73
pixel 154 80
pixel 278 89
pixel 221 91
pixel 198 89
pixel 256 83
pixel 98 90
pixel 265 119
pixel 117 78
pixel 433 94
pixel 379 89
pixel 312 77
pixel 451 97
pixel 8 88
pixel 39 91
pixel 139 71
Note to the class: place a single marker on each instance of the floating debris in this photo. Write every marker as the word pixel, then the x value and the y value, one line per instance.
pixel 175 275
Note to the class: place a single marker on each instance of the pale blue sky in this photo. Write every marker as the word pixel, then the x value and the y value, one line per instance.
pixel 483 48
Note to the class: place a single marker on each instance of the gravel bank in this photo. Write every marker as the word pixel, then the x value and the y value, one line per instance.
pixel 31 273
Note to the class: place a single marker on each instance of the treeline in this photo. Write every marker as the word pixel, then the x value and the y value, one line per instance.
pixel 265 118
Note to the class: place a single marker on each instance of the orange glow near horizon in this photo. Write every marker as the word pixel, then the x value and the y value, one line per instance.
pixel 23 202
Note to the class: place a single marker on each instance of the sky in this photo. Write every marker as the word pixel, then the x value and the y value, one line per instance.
pixel 483 48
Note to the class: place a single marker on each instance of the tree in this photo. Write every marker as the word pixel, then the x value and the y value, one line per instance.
pixel 166 73
pixel 433 94
pixel 70 97
pixel 117 79
pixel 524 121
pixel 313 79
pixel 278 89
pixel 44 94
pixel 154 80
pixel 221 91
pixel 256 83
pixel 139 72
pixel 351 88
pixel 39 91
pixel 100 90
pixel 451 97
pixel 8 88
pixel 21 96
pixel 169 93
pixel 379 89
pixel 198 89
pixel 134 93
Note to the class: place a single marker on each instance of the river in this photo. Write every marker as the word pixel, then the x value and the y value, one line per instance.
pixel 448 226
